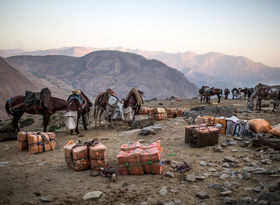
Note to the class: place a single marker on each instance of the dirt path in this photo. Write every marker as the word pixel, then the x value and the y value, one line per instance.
pixel 24 177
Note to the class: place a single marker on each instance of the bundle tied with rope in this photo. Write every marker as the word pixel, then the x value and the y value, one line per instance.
pixel 36 142
pixel 137 95
pixel 82 155
pixel 137 159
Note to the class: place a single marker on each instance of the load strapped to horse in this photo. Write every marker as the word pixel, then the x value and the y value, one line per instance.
pixel 34 103
pixel 264 92
pixel 80 103
pixel 134 99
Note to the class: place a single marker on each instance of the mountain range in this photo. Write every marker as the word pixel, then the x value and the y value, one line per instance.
pixel 213 69
pixel 99 70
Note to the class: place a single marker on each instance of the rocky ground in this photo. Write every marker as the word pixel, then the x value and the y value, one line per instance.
pixel 230 173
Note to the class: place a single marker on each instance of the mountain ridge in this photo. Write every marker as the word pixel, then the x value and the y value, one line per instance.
pixel 99 70
pixel 212 68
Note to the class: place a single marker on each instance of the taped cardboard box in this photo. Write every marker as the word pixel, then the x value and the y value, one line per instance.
pixel 189 131
pixel 171 112
pixel 41 142
pixel 159 110
pixel 150 160
pixel 76 156
pixel 22 140
pixel 130 146
pixel 205 120
pixel 159 116
pixel 97 156
pixel 130 163
pixel 179 112
pixel 201 136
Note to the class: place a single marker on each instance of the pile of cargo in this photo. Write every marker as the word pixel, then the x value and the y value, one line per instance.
pixel 36 142
pixel 207 129
pixel 201 135
pixel 161 113
pixel 137 159
pixel 83 155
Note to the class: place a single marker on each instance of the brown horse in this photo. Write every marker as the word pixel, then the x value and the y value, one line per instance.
pixel 15 107
pixel 245 91
pixel 100 104
pixel 264 92
pixel 208 92
pixel 79 102
pixel 134 99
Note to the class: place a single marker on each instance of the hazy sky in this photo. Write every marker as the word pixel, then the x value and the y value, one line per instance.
pixel 248 28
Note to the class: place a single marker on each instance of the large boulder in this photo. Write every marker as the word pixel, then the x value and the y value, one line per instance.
pixel 141 121
pixel 215 111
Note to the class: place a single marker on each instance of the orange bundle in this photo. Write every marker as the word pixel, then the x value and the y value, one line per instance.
pixel 259 125
pixel 76 156
pixel 150 159
pixel 144 111
pixel 159 116
pixel 154 144
pixel 171 112
pixel 22 140
pixel 223 123
pixel 275 131
pixel 130 146
pixel 130 163
pixel 40 142
pixel 205 120
pixel 179 112
pixel 159 110
pixel 97 156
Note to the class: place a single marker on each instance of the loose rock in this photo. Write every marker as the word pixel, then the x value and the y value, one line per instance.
pixel 92 195
pixel 202 195
pixel 163 191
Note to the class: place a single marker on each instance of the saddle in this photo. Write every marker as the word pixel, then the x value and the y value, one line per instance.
pixel 137 95
pixel 41 98
pixel 81 97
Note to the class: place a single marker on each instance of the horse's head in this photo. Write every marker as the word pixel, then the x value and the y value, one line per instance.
pixel 73 105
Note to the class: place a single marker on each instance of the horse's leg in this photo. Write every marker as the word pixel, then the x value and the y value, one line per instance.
pixel 77 126
pixel 84 120
pixel 219 98
pixel 100 115
pixel 95 114
pixel 46 117
pixel 17 116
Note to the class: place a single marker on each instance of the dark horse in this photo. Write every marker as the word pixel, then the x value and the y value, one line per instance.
pixel 15 107
pixel 134 99
pixel 226 93
pixel 213 91
pixel 235 93
pixel 264 92
pixel 202 93
pixel 79 102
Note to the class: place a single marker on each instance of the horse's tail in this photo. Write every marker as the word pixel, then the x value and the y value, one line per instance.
pixel 8 108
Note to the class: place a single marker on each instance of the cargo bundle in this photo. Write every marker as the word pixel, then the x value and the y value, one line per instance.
pixel 201 135
pixel 158 113
pixel 137 159
pixel 36 142
pixel 82 155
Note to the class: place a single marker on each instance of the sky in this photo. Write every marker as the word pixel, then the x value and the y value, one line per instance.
pixel 240 27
